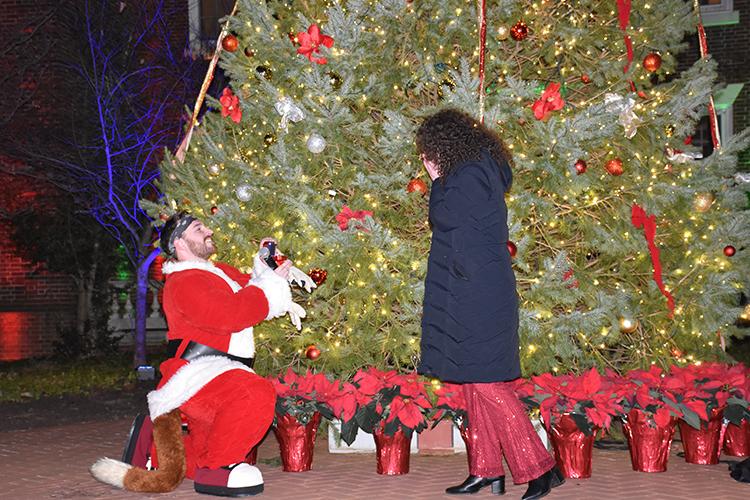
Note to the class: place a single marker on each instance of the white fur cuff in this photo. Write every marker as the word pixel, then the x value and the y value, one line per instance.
pixel 276 289
pixel 187 381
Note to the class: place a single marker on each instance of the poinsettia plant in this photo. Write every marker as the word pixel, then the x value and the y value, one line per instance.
pixel 590 399
pixel 301 396
pixel 449 402
pixel 384 400
pixel 649 394
pixel 699 389
pixel 738 385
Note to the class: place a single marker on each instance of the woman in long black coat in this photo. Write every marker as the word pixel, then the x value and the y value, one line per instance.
pixel 470 317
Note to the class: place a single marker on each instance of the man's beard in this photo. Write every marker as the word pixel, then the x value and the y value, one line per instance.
pixel 202 250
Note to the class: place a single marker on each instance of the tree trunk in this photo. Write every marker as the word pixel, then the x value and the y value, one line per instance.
pixel 141 305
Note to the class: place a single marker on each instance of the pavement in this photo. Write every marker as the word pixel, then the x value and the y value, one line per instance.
pixel 52 462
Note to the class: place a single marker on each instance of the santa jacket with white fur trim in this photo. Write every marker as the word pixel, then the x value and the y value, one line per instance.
pixel 215 305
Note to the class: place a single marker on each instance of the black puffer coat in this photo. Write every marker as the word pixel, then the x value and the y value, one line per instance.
pixel 470 319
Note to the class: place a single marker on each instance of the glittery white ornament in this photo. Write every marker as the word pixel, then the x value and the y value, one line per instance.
pixel 316 143
pixel 243 192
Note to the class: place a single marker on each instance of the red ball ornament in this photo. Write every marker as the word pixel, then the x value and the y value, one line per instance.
pixel 318 275
pixel 312 352
pixel 614 166
pixel 249 52
pixel 214 210
pixel 585 78
pixel 230 43
pixel 519 31
pixel 729 250
pixel 417 185
pixel 512 248
pixel 580 167
pixel 652 62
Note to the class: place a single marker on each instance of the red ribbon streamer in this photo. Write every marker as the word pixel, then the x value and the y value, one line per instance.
pixel 482 47
pixel 623 14
pixel 712 119
pixel 639 219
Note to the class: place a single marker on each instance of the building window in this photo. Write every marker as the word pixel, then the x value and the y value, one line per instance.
pixel 204 23
pixel 718 12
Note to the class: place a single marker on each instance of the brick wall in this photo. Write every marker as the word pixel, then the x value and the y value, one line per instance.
pixel 729 45
pixel 34 302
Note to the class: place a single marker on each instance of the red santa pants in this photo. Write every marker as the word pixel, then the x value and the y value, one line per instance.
pixel 226 418
pixel 499 425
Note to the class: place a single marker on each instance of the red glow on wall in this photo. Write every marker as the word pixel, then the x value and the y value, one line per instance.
pixel 13 328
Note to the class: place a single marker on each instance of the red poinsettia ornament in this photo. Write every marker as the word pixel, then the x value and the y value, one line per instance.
pixel 310 42
pixel 347 214
pixel 230 105
pixel 551 100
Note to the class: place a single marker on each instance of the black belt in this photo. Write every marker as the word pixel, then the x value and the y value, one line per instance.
pixel 194 350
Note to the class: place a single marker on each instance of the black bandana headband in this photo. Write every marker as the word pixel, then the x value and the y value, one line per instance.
pixel 179 228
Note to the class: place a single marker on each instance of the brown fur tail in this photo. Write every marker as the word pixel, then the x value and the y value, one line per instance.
pixel 170 452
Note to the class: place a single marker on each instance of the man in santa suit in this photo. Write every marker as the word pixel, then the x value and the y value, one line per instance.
pixel 208 383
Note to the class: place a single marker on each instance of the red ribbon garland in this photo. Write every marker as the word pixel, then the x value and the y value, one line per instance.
pixel 623 13
pixel 482 46
pixel 713 121
pixel 639 219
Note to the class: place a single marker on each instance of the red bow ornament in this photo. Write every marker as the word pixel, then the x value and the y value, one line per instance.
pixel 551 100
pixel 347 214
pixel 310 42
pixel 230 105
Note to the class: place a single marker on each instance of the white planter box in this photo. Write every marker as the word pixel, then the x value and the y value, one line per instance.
pixel 363 443
pixel 460 447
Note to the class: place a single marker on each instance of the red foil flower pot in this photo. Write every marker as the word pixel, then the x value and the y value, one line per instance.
pixel 649 443
pixel 737 439
pixel 296 442
pixel 702 446
pixel 392 452
pixel 572 447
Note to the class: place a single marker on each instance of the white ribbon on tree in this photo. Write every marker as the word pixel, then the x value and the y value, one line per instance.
pixel 289 112
pixel 627 117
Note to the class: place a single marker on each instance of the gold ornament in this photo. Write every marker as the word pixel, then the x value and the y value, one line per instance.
pixel 628 325
pixel 502 33
pixel 702 202
pixel 269 139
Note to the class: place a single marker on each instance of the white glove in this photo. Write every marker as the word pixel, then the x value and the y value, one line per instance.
pixel 296 313
pixel 301 279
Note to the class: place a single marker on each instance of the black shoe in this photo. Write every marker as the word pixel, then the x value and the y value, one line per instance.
pixel 542 485
pixel 476 483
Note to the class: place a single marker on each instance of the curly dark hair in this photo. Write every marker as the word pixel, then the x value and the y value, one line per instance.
pixel 450 138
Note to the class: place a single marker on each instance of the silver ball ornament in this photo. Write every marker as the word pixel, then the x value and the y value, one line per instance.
pixel 214 169
pixel 316 143
pixel 243 192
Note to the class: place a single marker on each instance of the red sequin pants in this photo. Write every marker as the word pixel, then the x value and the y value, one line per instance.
pixel 499 425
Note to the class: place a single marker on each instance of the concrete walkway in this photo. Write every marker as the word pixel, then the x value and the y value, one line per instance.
pixel 53 463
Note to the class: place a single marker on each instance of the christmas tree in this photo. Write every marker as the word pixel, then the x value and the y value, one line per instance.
pixel 627 248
